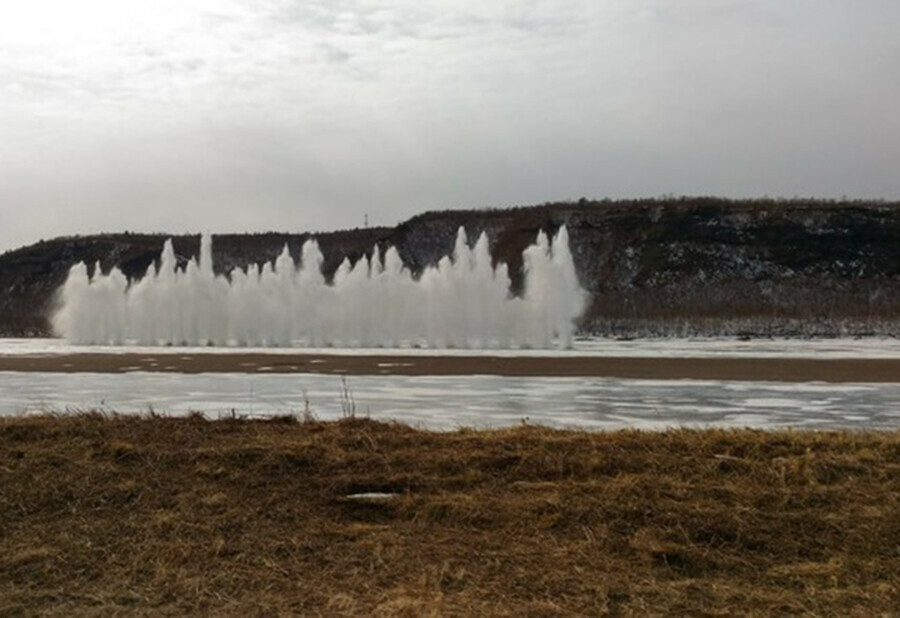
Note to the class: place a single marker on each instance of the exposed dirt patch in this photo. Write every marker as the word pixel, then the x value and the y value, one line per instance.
pixel 769 369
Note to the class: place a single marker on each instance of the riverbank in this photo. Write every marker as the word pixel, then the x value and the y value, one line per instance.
pixel 183 515
pixel 785 369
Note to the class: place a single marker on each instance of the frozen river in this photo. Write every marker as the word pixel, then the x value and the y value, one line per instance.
pixel 638 348
pixel 448 402
pixel 451 401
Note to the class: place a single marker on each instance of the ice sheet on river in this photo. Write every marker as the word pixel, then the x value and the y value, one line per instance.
pixel 669 348
pixel 448 402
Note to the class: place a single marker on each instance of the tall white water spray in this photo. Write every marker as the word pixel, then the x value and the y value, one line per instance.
pixel 462 302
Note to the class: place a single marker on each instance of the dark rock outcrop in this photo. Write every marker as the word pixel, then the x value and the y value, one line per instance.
pixel 653 267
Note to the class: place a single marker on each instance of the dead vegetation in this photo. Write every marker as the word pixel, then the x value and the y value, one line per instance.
pixel 127 515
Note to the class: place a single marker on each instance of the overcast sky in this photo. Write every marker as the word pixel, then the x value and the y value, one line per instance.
pixel 231 115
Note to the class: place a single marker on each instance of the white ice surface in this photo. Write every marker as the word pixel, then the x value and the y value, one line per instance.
pixel 684 348
pixel 448 402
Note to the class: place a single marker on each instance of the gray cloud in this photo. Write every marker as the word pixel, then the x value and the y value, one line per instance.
pixel 277 114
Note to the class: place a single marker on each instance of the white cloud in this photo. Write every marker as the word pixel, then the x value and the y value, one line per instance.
pixel 233 114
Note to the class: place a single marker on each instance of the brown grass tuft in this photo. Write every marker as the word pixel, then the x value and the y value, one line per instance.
pixel 108 515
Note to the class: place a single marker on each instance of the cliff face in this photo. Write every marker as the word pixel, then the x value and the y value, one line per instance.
pixel 653 267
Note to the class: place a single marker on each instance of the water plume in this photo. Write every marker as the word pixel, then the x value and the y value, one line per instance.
pixel 461 302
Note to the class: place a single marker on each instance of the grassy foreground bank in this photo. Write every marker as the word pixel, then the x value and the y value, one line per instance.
pixel 172 516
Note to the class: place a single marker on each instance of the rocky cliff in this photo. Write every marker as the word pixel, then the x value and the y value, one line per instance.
pixel 653 267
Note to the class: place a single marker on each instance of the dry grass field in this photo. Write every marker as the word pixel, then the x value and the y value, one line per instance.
pixel 156 516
